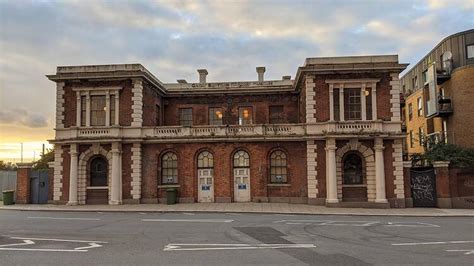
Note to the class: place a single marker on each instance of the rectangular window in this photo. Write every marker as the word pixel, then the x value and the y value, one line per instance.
pixel 83 110
pixel 420 136
pixel 368 103
pixel 98 110
pixel 415 82
pixel 420 106
pixel 352 104
pixel 470 51
pixel 410 111
pixel 336 105
pixel 112 109
pixel 411 139
pixel 186 117
pixel 215 116
pixel 276 114
pixel 245 116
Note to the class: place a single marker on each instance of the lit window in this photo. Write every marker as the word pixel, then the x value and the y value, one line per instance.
pixel 245 116
pixel 169 168
pixel 278 167
pixel 215 116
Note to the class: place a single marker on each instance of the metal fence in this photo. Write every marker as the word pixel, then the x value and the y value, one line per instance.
pixel 7 182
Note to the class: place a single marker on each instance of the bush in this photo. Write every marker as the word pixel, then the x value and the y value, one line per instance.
pixel 458 156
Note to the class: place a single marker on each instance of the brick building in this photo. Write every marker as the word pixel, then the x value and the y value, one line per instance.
pixel 439 95
pixel 332 136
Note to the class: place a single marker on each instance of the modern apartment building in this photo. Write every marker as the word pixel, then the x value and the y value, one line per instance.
pixel 331 136
pixel 439 93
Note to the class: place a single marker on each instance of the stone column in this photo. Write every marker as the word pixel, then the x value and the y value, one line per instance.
pixel 362 102
pixel 379 172
pixel 78 109
pixel 331 102
pixel 331 179
pixel 407 183
pixel 107 108
pixel 341 102
pixel 116 184
pixel 443 192
pixel 374 101
pixel 117 111
pixel 73 176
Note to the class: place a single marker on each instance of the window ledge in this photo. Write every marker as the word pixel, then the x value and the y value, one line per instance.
pixel 361 185
pixel 279 185
pixel 169 186
pixel 98 187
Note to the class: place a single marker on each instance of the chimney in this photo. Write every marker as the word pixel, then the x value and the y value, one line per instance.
pixel 181 81
pixel 202 75
pixel 286 78
pixel 260 71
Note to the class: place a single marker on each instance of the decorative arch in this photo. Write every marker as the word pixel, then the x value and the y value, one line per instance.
pixel 368 160
pixel 84 159
pixel 240 159
pixel 205 159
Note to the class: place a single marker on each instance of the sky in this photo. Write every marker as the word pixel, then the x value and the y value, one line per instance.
pixel 174 38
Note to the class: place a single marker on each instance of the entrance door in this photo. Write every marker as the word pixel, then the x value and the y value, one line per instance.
pixel 241 184
pixel 39 187
pixel 241 176
pixel 423 187
pixel 206 185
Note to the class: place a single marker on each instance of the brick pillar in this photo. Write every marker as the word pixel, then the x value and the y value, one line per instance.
pixel 443 192
pixel 23 183
pixel 407 184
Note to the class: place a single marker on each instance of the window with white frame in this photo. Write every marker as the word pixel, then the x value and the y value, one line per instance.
pixel 420 106
pixel 470 51
pixel 97 107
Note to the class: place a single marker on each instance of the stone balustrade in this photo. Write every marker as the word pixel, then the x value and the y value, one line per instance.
pixel 233 131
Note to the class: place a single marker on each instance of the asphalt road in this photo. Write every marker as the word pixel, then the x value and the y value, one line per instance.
pixel 66 238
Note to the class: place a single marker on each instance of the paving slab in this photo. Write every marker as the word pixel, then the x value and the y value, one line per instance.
pixel 282 208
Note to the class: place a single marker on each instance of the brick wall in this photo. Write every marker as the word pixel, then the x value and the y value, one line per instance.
pixel 230 105
pixel 223 183
pixel 151 100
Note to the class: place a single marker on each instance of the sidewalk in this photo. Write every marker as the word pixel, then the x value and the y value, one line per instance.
pixel 280 208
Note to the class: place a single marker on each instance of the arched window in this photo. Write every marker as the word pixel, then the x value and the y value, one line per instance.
pixel 353 170
pixel 98 172
pixel 241 159
pixel 169 168
pixel 205 160
pixel 278 167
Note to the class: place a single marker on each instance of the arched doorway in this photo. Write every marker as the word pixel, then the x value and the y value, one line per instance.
pixel 97 189
pixel 205 172
pixel 354 186
pixel 241 163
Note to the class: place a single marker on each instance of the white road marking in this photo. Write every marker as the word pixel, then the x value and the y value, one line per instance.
pixel 410 224
pixel 202 247
pixel 434 243
pixel 64 218
pixel 25 242
pixel 60 240
pixel 466 251
pixel 188 213
pixel 91 245
pixel 235 214
pixel 189 220
pixel 46 250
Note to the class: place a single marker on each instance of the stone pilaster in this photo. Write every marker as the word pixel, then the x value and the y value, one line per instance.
pixel 380 195
pixel 116 184
pixel 136 171
pixel 60 104
pixel 137 105
pixel 395 97
pixel 397 155
pixel 58 173
pixel 331 179
pixel 73 174
pixel 310 101
pixel 311 163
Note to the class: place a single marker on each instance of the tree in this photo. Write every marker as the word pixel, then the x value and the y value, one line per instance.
pixel 7 166
pixel 42 163
pixel 458 156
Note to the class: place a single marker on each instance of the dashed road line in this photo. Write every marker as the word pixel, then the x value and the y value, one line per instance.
pixel 434 243
pixel 190 220
pixel 64 218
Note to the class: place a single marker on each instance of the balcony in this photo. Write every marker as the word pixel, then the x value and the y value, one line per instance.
pixel 231 132
pixel 444 109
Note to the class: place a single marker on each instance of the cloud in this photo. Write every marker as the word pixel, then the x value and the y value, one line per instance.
pixel 23 117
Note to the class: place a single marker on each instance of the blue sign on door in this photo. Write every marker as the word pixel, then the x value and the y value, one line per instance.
pixel 205 187
pixel 242 186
